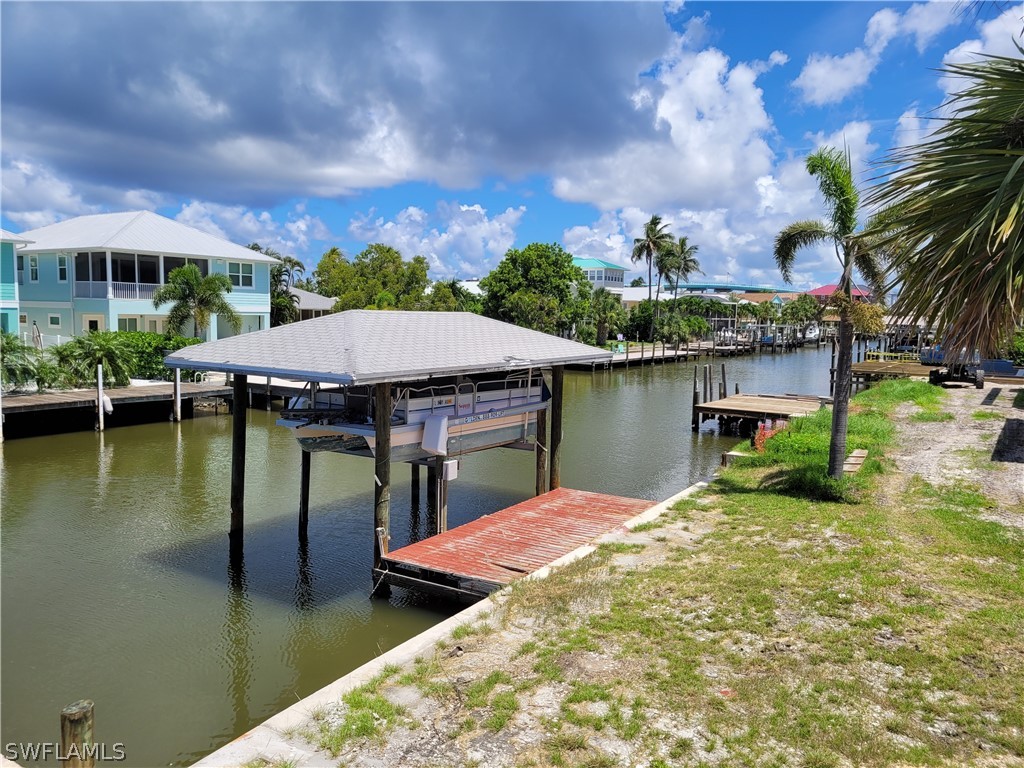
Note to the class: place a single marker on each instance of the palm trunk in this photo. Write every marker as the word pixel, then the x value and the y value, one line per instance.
pixel 841 396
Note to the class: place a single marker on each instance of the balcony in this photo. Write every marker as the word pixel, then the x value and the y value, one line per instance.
pixel 98 290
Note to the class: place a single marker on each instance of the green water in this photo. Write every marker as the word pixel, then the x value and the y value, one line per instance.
pixel 116 583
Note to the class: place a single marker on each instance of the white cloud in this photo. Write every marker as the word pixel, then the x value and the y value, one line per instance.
pixel 828 79
pixel 34 196
pixel 291 237
pixel 910 129
pixel 996 38
pixel 709 148
pixel 457 240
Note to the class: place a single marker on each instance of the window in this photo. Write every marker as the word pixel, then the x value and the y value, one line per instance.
pixel 99 266
pixel 127 324
pixel 240 274
pixel 153 326
pixel 171 263
pixel 122 267
pixel 21 269
pixel 62 268
pixel 53 321
pixel 33 269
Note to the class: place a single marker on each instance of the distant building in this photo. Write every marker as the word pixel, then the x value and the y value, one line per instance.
pixel 602 274
pixel 312 304
pixel 100 272
pixel 10 307
pixel 822 293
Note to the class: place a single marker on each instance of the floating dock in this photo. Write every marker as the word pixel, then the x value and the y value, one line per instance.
pixel 473 560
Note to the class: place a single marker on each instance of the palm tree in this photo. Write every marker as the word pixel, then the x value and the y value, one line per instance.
pixel 109 349
pixel 666 264
pixel 17 360
pixel 656 240
pixel 284 305
pixel 687 262
pixel 957 200
pixel 832 169
pixel 195 298
pixel 607 308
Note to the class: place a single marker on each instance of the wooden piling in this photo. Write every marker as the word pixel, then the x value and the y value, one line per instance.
pixel 414 483
pixel 304 492
pixel 240 391
pixel 555 435
pixel 76 735
pixel 382 479
pixel 694 424
pixel 99 397
pixel 725 386
pixel 268 393
pixel 541 452
pixel 442 495
pixel 176 413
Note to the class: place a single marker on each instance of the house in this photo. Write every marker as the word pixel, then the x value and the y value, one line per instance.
pixel 100 272
pixel 602 274
pixel 9 304
pixel 824 293
pixel 312 304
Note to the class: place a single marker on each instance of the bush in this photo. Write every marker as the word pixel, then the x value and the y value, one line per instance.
pixel 1015 351
pixel 149 350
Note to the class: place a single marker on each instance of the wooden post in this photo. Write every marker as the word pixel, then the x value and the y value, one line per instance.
pixel 414 483
pixel 642 353
pixel 737 387
pixel 268 393
pixel 725 385
pixel 694 425
pixel 239 394
pixel 432 500
pixel 442 495
pixel 382 479
pixel 99 395
pixel 707 384
pixel 541 452
pixel 555 437
pixel 177 394
pixel 304 492
pixel 76 735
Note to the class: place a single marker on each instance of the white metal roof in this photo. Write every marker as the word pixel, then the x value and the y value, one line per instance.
pixel 368 347
pixel 312 301
pixel 10 237
pixel 136 231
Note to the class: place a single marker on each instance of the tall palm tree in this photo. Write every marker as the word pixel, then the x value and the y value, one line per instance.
pixel 957 201
pixel 656 240
pixel 195 298
pixel 832 169
pixel 666 264
pixel 687 263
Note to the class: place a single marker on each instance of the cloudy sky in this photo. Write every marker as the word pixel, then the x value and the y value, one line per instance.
pixel 459 130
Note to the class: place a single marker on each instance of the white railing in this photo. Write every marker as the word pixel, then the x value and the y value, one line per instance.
pixel 133 290
pixel 45 340
pixel 98 290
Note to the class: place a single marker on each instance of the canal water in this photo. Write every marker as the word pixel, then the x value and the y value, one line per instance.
pixel 117 586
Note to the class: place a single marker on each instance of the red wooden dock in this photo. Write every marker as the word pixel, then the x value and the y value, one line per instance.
pixel 473 560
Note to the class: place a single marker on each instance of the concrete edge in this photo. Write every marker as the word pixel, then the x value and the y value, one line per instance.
pixel 270 739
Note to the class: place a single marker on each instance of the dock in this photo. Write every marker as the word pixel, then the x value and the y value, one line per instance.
pixel 473 560
pixel 757 407
pixel 876 370
pixel 86 398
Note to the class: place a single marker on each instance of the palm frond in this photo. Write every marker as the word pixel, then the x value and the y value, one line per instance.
pixel 797 235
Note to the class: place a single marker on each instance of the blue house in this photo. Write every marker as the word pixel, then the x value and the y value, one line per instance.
pixel 602 274
pixel 9 306
pixel 100 272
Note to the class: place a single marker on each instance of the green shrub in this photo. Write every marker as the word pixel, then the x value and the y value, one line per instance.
pixel 1015 351
pixel 149 350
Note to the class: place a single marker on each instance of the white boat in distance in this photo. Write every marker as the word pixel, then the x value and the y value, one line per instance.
pixel 446 416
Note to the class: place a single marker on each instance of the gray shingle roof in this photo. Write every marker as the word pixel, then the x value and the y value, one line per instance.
pixel 312 301
pixel 135 231
pixel 367 347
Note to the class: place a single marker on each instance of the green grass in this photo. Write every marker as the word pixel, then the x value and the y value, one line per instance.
pixel 932 416
pixel 881 627
pixel 984 415
pixel 365 714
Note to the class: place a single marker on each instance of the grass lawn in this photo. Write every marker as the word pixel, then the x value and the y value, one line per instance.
pixel 876 621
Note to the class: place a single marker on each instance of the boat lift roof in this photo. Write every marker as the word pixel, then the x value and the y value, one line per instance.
pixel 361 346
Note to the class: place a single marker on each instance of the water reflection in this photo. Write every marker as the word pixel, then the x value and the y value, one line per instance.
pixel 236 638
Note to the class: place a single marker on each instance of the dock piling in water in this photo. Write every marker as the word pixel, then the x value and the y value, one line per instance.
pixel 76 733
pixel 240 386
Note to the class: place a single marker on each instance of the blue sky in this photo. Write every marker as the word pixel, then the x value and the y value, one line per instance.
pixel 459 130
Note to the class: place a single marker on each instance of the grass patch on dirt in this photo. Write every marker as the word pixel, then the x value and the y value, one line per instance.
pixel 985 415
pixel 364 713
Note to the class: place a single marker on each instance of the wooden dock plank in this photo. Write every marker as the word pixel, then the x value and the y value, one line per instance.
pixel 498 548
pixel 854 461
pixel 86 398
pixel 761 406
